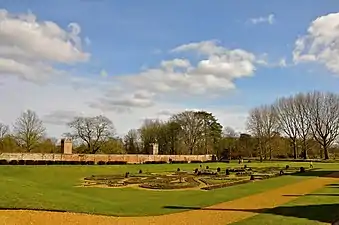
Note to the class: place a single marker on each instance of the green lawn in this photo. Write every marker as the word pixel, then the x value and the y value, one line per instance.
pixel 319 207
pixel 55 188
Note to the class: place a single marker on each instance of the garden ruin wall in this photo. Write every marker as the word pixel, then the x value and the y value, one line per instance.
pixel 101 157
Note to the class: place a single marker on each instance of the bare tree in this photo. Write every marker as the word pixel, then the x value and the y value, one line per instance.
pixel 286 117
pixel 191 128
pixel 301 103
pixel 4 130
pixel 230 132
pixel 132 142
pixel 92 130
pixel 29 130
pixel 263 124
pixel 324 119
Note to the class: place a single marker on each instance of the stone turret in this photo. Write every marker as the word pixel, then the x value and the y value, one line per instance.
pixel 66 145
pixel 155 148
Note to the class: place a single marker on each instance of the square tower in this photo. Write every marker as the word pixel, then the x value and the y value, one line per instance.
pixel 66 145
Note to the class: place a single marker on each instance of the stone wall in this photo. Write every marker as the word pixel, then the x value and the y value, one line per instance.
pixel 98 157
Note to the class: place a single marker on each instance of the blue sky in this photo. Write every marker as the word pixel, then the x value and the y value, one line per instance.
pixel 126 36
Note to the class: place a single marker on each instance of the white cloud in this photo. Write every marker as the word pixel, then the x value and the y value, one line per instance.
pixel 270 19
pixel 29 48
pixel 59 103
pixel 321 43
pixel 178 78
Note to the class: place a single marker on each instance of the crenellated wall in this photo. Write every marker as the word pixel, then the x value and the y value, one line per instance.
pixel 104 157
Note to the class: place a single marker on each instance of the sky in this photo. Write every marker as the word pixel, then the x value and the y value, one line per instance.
pixel 132 60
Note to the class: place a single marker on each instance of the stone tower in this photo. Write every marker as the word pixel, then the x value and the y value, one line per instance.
pixel 66 145
pixel 155 148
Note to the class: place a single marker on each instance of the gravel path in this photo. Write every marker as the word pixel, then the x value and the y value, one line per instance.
pixel 223 213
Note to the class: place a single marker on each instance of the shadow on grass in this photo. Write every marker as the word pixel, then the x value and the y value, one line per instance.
pixel 324 195
pixel 325 213
pixel 33 209
pixel 318 173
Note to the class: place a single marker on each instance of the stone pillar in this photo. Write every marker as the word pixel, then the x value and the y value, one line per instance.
pixel 155 148
pixel 66 146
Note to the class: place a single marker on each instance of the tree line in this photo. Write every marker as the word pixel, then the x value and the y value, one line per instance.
pixel 304 125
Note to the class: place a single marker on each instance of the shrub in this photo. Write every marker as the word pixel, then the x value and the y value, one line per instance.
pixel 227 172
pixel 196 161
pixel 140 171
pixel 252 177
pixel 302 169
pixel 21 162
pixel 179 162
pixel 155 162
pixel 218 169
pixel 178 170
pixel 245 166
pixel 30 162
pixel 116 162
pixel 287 167
pixel 281 172
pixel 207 167
pixel 126 174
pixel 13 162
pixel 196 170
pixel 3 162
pixel 249 161
pixel 101 163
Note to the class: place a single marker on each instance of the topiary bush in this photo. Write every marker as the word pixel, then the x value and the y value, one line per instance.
pixel 218 169
pixel 207 167
pixel 3 162
pixel 287 167
pixel 178 170
pixel 227 172
pixel 179 162
pixel 155 162
pixel 196 161
pixel 140 171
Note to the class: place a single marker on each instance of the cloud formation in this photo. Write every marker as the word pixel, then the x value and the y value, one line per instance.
pixel 321 43
pixel 270 19
pixel 213 75
pixel 29 48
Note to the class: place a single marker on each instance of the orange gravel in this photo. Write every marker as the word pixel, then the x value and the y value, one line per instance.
pixel 223 213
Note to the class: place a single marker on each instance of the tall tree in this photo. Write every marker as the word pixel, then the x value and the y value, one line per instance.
pixel 28 130
pixel 303 120
pixel 4 131
pixel 93 131
pixel 324 117
pixel 286 112
pixel 132 142
pixel 212 131
pixel 191 126
pixel 263 123
pixel 150 133
pixel 173 132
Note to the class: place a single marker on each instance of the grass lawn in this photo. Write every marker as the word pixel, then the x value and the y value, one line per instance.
pixel 319 207
pixel 55 188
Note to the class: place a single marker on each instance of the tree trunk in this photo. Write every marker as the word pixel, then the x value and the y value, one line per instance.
pixel 294 147
pixel 326 152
